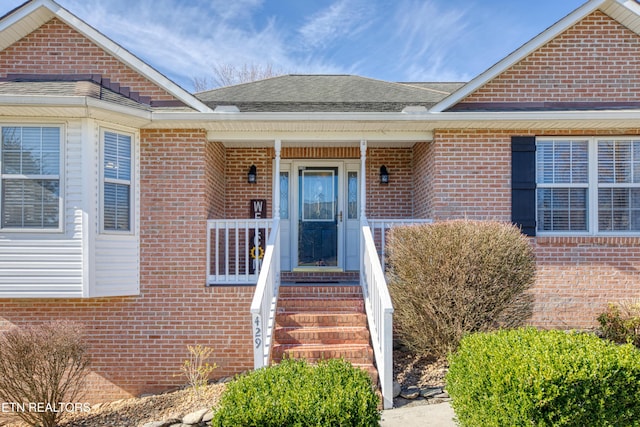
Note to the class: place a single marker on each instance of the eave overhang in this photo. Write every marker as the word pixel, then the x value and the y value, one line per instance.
pixel 313 126
pixel 68 107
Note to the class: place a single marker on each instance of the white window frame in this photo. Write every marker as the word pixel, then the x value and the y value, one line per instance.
pixel 592 187
pixel 59 177
pixel 130 183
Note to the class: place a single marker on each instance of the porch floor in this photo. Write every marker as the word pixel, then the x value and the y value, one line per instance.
pixel 319 277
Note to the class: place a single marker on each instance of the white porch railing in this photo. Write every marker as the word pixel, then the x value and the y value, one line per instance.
pixel 379 229
pixel 263 306
pixel 379 312
pixel 230 242
pixel 377 299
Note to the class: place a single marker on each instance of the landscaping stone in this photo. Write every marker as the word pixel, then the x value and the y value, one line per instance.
pixel 158 424
pixel 194 417
pixel 410 393
pixel 430 392
pixel 207 417
pixel 443 395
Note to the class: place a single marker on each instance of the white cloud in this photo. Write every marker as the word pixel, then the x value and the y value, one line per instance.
pixel 384 39
pixel 185 39
pixel 341 19
pixel 427 33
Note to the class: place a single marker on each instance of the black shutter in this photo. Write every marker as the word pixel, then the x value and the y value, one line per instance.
pixel 523 183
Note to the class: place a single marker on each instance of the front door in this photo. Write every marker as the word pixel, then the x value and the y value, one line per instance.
pixel 319 217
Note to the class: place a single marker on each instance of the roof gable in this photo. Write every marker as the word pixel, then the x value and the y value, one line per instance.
pixel 32 15
pixel 625 12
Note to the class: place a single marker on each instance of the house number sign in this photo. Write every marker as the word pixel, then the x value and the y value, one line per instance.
pixel 257 332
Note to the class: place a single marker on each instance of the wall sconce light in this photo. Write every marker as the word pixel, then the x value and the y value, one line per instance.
pixel 252 176
pixel 384 175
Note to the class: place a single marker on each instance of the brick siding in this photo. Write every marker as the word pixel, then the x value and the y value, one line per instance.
pixel 56 48
pixel 139 343
pixel 576 277
pixel 595 60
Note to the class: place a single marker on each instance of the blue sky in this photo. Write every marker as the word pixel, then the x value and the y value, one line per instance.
pixel 395 40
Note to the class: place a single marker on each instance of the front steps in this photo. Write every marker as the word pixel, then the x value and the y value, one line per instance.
pixel 316 322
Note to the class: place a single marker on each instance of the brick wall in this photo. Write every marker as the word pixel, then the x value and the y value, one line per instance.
pixel 56 48
pixel 595 60
pixel 393 200
pixel 238 191
pixel 470 175
pixel 424 167
pixel 139 343
pixel 386 201
pixel 576 277
pixel 215 175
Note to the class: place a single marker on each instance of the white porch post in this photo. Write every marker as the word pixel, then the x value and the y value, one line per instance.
pixel 363 210
pixel 363 179
pixel 276 180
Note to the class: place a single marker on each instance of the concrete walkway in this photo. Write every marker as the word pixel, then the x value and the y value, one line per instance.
pixel 432 415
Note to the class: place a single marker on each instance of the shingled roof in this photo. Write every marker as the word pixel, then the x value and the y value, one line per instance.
pixel 326 93
pixel 68 88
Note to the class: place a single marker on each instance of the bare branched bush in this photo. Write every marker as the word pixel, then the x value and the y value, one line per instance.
pixel 230 74
pixel 455 277
pixel 42 371
pixel 197 369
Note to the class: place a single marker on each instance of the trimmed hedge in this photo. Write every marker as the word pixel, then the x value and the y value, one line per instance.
pixel 528 377
pixel 294 393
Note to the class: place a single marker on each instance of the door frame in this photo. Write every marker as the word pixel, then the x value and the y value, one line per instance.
pixel 289 225
pixel 294 213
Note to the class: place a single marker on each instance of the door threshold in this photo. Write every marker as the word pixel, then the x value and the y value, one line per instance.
pixel 312 269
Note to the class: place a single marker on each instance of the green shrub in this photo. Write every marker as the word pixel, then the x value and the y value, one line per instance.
pixel 528 377
pixel 455 277
pixel 294 393
pixel 621 322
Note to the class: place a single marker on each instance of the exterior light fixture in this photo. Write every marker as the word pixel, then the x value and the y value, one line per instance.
pixel 384 175
pixel 252 176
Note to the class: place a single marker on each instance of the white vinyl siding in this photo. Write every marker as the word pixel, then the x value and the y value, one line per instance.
pixel 588 185
pixel 116 246
pixel 76 260
pixel 30 177
pixel 39 263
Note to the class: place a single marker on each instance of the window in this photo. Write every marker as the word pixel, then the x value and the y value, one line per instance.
pixel 562 182
pixel 30 177
pixel 284 195
pixel 618 185
pixel 589 185
pixel 116 208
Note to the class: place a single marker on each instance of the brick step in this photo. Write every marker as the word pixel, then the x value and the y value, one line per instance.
pixel 315 319
pixel 322 335
pixel 319 291
pixel 359 354
pixel 371 370
pixel 304 304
